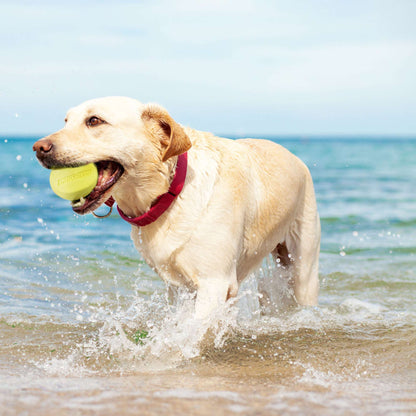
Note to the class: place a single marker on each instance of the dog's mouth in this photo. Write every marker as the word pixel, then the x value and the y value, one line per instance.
pixel 109 173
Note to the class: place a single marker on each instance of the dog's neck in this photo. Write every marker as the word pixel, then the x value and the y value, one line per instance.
pixel 135 194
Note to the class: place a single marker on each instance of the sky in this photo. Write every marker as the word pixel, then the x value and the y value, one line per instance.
pixel 233 67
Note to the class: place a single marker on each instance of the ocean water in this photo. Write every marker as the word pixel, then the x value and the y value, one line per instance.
pixel 86 328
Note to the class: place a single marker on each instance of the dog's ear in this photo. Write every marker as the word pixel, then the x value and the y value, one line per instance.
pixel 170 134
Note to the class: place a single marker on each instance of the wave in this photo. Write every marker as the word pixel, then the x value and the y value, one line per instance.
pixel 151 335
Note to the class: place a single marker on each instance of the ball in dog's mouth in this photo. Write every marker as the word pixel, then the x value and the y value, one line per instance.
pixel 109 173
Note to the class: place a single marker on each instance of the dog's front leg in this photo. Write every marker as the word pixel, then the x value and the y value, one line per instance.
pixel 212 293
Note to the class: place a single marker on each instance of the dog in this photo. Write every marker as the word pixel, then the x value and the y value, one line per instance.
pixel 239 201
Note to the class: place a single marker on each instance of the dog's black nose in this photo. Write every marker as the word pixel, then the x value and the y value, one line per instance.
pixel 41 147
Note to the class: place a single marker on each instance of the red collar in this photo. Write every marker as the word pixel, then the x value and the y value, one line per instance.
pixel 164 201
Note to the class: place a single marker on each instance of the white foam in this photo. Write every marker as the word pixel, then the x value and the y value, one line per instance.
pixel 312 376
pixel 172 334
pixel 194 394
pixel 68 366
pixel 362 306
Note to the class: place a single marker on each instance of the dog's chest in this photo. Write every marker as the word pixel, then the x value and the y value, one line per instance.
pixel 159 254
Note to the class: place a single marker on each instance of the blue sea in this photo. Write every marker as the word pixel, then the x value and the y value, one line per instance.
pixel 86 327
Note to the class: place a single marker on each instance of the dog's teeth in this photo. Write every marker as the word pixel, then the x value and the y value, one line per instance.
pixel 78 203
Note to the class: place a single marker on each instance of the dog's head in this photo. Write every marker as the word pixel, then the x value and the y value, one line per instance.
pixel 123 137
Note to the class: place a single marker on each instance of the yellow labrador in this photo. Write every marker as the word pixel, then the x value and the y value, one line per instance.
pixel 240 199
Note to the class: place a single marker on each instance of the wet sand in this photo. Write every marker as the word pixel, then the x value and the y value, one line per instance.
pixel 348 371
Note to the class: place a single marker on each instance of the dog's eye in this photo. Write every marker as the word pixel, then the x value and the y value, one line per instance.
pixel 94 121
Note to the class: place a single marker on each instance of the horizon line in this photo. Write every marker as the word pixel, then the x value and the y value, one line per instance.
pixel 291 136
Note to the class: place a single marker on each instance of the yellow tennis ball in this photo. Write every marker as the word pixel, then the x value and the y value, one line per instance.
pixel 74 183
